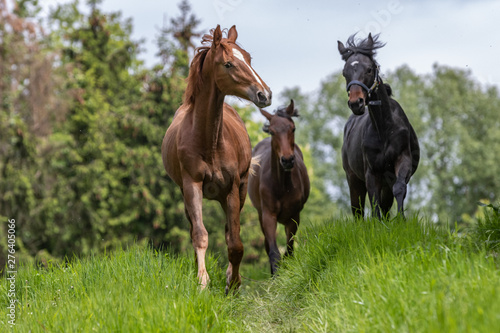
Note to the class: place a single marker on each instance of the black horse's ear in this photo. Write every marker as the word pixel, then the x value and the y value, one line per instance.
pixel 370 40
pixel 341 47
pixel 344 52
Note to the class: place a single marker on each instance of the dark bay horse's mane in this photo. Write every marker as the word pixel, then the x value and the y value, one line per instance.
pixel 281 112
pixel 366 47
pixel 194 79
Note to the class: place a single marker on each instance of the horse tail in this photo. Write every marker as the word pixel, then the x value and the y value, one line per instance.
pixel 254 163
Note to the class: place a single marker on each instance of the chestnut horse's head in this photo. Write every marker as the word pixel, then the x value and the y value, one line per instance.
pixel 282 129
pixel 230 67
pixel 360 70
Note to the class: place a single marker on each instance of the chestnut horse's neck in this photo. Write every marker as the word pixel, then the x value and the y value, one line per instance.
pixel 380 111
pixel 208 114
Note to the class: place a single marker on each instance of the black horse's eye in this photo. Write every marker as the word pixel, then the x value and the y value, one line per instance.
pixel 228 65
pixel 369 70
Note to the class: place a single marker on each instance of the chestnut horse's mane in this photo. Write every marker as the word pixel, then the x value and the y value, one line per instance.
pixel 194 79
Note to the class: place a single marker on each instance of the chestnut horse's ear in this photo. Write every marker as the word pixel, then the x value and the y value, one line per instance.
pixel 290 110
pixel 266 114
pixel 217 37
pixel 232 34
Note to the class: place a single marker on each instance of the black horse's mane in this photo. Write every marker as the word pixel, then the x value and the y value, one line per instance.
pixel 367 46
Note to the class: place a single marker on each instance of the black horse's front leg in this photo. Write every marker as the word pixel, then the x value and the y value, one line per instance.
pixel 403 170
pixel 374 188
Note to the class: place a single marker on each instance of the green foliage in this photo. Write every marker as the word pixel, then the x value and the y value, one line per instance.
pixel 487 230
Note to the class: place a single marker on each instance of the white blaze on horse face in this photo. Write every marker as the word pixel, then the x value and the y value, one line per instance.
pixel 239 56
pixel 354 63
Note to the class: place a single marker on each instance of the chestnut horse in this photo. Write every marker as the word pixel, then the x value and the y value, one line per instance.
pixel 279 187
pixel 206 150
pixel 380 152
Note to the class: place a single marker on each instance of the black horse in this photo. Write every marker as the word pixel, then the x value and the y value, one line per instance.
pixel 380 151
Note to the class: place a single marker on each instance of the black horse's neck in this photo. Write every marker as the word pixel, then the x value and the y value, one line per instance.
pixel 380 110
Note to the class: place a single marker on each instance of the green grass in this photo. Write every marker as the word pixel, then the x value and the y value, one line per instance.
pixel 346 276
pixel 138 290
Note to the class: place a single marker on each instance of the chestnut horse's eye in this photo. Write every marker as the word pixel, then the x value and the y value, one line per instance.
pixel 228 65
pixel 293 130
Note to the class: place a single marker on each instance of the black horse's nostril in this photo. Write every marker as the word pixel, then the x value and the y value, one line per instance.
pixel 357 106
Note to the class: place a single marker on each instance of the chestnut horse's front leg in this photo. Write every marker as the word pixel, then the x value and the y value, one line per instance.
pixel 232 208
pixel 193 197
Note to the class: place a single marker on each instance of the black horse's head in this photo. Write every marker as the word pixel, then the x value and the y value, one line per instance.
pixel 360 70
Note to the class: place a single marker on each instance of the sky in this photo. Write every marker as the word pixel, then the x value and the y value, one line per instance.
pixel 294 42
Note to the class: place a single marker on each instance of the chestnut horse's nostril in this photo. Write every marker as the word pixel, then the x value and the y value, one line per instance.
pixel 262 97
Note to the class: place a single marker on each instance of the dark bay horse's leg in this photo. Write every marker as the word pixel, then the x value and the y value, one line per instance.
pixel 232 209
pixel 193 197
pixel 268 223
pixel 357 190
pixel 291 229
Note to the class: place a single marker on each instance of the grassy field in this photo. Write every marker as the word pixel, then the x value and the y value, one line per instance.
pixel 346 276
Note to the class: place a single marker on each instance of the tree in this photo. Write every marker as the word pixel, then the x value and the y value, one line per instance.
pixel 27 98
pixel 462 135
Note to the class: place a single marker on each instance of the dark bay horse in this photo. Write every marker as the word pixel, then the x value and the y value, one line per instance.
pixel 380 151
pixel 279 188
pixel 206 150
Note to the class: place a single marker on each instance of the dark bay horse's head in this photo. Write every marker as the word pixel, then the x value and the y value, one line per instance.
pixel 360 70
pixel 282 130
pixel 231 68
